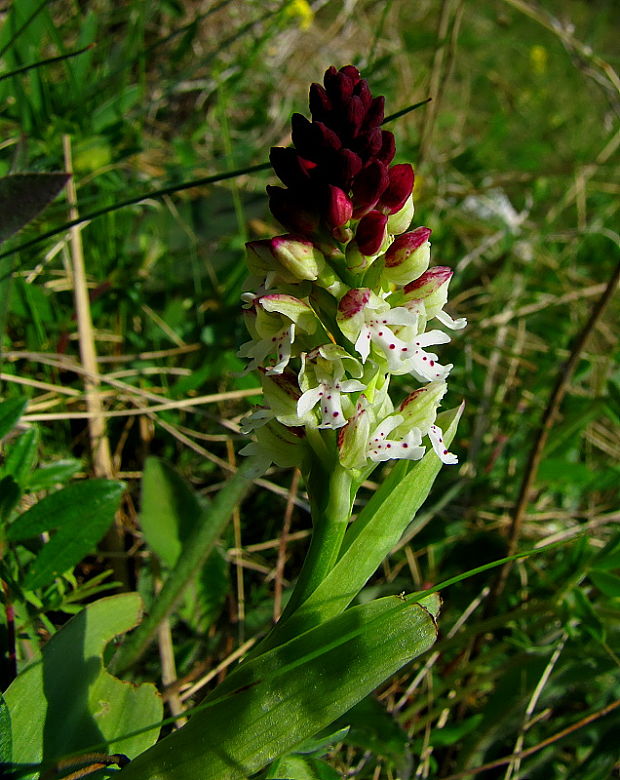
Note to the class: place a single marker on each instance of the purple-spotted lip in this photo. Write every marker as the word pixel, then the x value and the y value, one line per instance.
pixel 404 245
pixel 354 301
pixel 436 276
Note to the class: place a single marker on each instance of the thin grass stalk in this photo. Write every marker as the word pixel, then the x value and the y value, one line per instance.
pixel 99 442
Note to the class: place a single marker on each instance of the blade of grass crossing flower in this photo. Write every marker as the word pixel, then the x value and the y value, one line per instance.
pixel 287 695
pixel 369 540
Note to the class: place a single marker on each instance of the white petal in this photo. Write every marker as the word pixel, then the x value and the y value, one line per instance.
pixel 351 386
pixel 447 320
pixel 309 400
pixel 435 434
pixel 283 344
pixel 362 345
pixel 432 337
pixel 331 410
pixel 401 316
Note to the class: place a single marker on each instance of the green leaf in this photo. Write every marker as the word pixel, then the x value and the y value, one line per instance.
pixel 369 540
pixel 6 738
pixel 22 456
pixel 323 742
pixel 206 594
pixel 67 701
pixel 609 557
pixel 286 695
pixel 10 412
pixel 581 607
pixel 82 511
pixel 607 583
pixel 302 768
pixel 24 195
pixel 78 503
pixel 9 496
pixel 170 509
pixel 53 474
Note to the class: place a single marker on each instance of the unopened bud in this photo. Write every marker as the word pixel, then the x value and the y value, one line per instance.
pixel 338 209
pixel 293 211
pixel 353 437
pixel 399 188
pixel 419 409
pixel 399 222
pixel 431 288
pixel 408 257
pixel 292 258
pixel 371 233
pixel 281 393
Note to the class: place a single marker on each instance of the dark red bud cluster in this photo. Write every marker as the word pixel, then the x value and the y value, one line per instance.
pixel 340 166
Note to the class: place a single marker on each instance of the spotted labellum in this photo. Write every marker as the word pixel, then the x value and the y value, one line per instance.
pixel 347 298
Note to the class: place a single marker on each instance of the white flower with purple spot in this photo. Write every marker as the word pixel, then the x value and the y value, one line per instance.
pixel 419 412
pixel 273 321
pixel 322 378
pixel 381 447
pixel 367 320
pixel 431 290
pixel 398 436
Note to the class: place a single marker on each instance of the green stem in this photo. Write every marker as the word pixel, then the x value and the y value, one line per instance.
pixel 330 500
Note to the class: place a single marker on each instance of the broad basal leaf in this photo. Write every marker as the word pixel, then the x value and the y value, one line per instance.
pixel 269 705
pixel 68 702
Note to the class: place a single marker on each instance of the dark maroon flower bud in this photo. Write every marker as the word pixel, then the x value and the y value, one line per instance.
pixel 362 90
pixel 311 139
pixel 293 211
pixel 367 144
pixel 344 167
pixel 399 189
pixel 339 86
pixel 304 137
pixel 375 113
pixel 326 137
pixel 388 147
pixel 292 169
pixel 368 186
pixel 352 72
pixel 354 115
pixel 320 104
pixel 339 209
pixel 370 233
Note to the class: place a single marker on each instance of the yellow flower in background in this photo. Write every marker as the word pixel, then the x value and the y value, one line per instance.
pixel 538 58
pixel 302 10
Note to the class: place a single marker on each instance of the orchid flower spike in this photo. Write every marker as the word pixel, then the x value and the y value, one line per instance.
pixel 340 303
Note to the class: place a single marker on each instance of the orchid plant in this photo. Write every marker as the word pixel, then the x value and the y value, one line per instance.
pixel 338 306
pixel 335 307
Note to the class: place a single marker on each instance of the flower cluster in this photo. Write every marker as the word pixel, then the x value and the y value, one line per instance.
pixel 342 302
